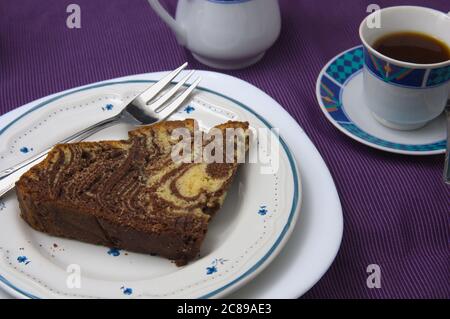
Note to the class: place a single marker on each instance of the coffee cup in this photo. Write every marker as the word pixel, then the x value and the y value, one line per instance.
pixel 400 94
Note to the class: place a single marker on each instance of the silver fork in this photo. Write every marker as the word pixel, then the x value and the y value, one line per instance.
pixel 149 107
pixel 447 154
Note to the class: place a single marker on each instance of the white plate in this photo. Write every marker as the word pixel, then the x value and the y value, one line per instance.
pixel 341 97
pixel 328 218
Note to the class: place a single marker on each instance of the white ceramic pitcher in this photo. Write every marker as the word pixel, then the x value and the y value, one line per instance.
pixel 224 34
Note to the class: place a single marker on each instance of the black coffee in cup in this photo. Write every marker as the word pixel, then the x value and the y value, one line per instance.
pixel 413 47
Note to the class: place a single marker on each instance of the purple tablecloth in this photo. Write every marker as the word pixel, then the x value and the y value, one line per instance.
pixel 396 208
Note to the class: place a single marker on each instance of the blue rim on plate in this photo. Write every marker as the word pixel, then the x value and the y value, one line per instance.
pixel 259 263
pixel 330 87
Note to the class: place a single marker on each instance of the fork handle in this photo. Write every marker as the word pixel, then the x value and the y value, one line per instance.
pixel 79 136
pixel 7 183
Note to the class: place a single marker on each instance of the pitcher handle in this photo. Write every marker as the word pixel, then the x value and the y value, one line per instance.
pixel 179 31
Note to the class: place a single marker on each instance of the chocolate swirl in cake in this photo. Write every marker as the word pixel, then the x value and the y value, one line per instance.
pixel 127 194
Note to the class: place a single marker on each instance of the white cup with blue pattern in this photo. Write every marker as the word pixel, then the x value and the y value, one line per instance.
pixel 402 95
pixel 224 34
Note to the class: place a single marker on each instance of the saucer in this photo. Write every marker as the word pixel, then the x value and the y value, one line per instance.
pixel 341 97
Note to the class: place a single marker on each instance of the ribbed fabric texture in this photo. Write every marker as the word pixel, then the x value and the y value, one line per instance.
pixel 396 207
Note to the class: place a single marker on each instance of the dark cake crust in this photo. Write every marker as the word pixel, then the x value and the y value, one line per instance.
pixel 102 193
pixel 77 224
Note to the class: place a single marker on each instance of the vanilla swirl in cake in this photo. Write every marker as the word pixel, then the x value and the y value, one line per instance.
pixel 127 194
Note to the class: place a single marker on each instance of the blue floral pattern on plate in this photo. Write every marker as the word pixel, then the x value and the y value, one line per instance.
pixel 114 252
pixel 25 149
pixel 23 260
pixel 214 267
pixel 108 107
pixel 263 210
pixel 126 291
pixel 189 109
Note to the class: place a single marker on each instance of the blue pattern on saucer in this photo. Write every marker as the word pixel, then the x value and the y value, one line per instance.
pixel 404 147
pixel 330 93
pixel 347 64
pixel 331 87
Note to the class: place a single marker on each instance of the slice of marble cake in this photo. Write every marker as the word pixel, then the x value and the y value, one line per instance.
pixel 129 194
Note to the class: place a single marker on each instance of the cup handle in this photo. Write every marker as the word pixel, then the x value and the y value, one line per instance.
pixel 179 31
